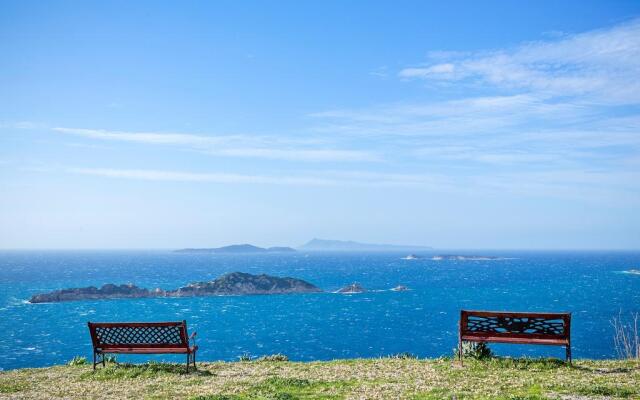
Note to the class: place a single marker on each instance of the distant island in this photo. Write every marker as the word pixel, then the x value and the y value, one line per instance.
pixel 464 258
pixel 340 245
pixel 412 257
pixel 239 249
pixel 232 284
pixel 312 245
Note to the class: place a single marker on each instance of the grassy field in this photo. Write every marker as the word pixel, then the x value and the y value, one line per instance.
pixel 384 378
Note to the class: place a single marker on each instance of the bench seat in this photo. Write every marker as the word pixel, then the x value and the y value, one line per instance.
pixel 142 338
pixel 147 350
pixel 514 340
pixel 550 329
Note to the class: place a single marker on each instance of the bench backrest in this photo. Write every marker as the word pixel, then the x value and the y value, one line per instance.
pixel 523 325
pixel 105 335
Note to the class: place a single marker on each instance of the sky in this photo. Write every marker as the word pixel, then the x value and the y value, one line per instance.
pixel 457 124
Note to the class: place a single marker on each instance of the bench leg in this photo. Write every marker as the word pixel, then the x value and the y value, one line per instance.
pixel 460 351
pixel 94 360
pixel 103 363
pixel 188 361
pixel 568 354
pixel 193 359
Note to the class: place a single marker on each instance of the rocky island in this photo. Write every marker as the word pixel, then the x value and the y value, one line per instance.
pixel 352 289
pixel 464 258
pixel 232 284
pixel 108 291
pixel 238 283
pixel 239 249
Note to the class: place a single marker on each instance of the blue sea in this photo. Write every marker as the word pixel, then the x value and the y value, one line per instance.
pixel 323 326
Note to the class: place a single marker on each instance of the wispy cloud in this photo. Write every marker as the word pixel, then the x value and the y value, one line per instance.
pixel 566 183
pixel 600 65
pixel 554 116
pixel 179 176
pixel 317 178
pixel 570 101
pixel 273 148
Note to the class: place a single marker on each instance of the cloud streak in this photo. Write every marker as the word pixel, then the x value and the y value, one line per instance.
pixel 321 178
pixel 600 65
pixel 270 148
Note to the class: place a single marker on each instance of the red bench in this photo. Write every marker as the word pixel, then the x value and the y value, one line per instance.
pixel 552 329
pixel 142 338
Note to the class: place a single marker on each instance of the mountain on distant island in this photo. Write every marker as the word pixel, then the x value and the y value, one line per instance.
pixel 232 284
pixel 238 249
pixel 340 245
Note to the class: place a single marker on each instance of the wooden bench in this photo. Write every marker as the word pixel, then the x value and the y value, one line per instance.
pixel 552 329
pixel 142 338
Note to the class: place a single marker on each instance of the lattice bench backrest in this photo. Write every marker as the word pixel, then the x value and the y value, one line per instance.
pixel 139 334
pixel 515 324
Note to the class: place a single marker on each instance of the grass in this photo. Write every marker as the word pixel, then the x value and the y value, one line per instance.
pixel 384 378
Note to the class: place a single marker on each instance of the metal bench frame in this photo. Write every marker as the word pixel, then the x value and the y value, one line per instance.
pixel 551 329
pixel 141 338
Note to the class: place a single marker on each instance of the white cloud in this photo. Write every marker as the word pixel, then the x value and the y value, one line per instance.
pixel 317 178
pixel 233 145
pixel 602 65
pixel 446 69
pixel 567 102
pixel 177 176
pixel 297 154
pixel 562 183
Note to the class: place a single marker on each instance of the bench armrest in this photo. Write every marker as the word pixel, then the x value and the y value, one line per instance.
pixel 192 337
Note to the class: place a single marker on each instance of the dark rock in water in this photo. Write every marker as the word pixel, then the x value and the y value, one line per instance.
pixel 108 291
pixel 400 288
pixel 353 288
pixel 236 283
pixel 464 258
pixel 411 257
pixel 238 249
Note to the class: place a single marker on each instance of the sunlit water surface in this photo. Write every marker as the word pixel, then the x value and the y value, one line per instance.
pixel 322 326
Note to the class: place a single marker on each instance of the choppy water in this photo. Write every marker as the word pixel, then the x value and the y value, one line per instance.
pixel 323 326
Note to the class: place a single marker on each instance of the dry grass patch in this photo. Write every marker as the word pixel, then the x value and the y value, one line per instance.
pixel 386 378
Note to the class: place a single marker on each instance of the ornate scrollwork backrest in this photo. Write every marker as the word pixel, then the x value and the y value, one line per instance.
pixel 139 335
pixel 521 325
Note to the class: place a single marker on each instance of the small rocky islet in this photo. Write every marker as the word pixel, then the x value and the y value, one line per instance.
pixel 351 289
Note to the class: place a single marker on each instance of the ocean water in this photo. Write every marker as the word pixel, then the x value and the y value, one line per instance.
pixel 322 326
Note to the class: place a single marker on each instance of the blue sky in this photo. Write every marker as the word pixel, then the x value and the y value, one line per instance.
pixel 451 124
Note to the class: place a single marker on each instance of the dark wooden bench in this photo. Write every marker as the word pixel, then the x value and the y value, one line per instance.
pixel 553 329
pixel 142 338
